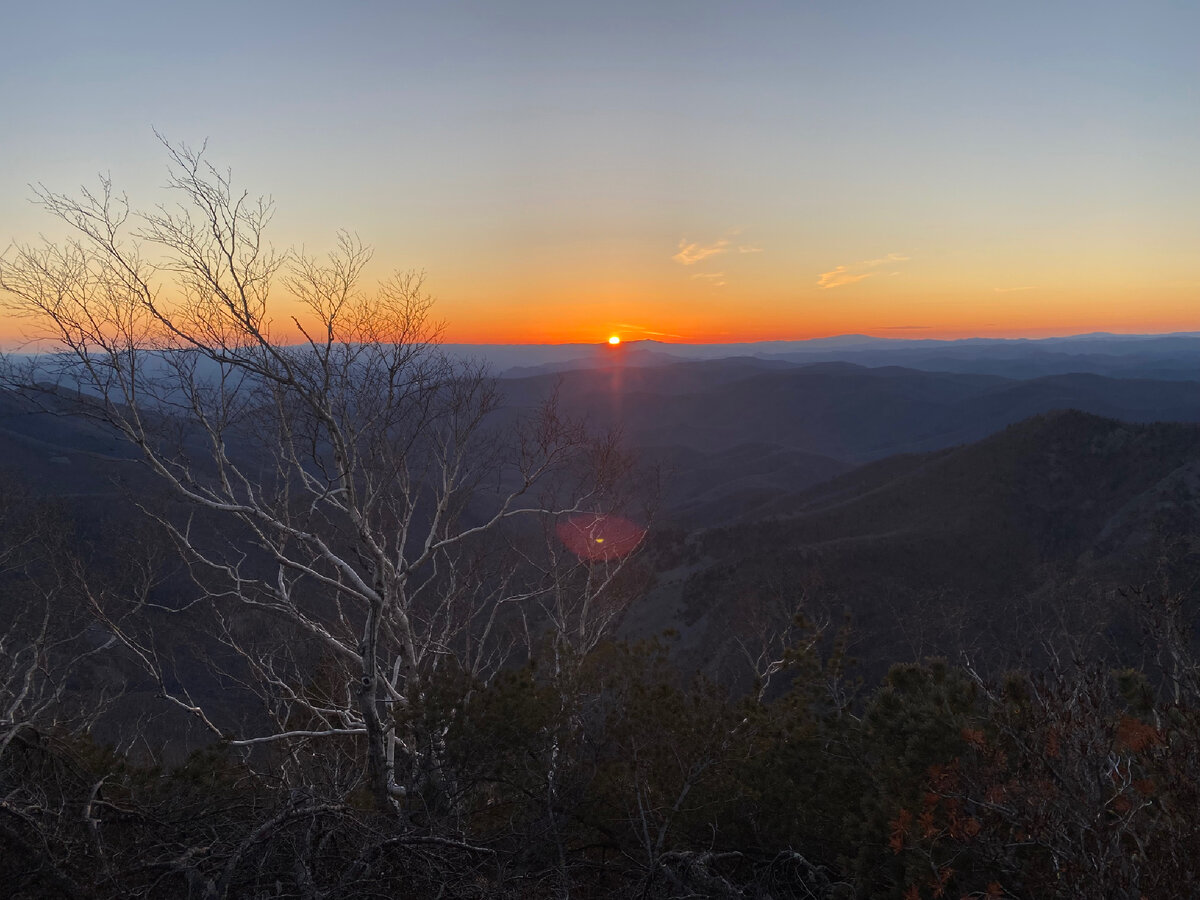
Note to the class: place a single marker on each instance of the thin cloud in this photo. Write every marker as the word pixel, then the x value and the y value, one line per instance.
pixel 640 330
pixel 848 274
pixel 839 276
pixel 691 253
pixel 1030 287
pixel 709 275
pixel 747 248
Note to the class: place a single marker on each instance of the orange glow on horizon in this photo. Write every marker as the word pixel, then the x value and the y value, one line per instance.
pixel 617 315
pixel 946 313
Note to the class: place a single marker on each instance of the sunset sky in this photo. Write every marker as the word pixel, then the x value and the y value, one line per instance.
pixel 686 171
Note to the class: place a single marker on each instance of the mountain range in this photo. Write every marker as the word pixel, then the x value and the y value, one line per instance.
pixel 739 430
pixel 1163 356
pixel 941 511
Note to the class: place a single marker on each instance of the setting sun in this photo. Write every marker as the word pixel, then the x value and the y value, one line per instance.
pixel 614 340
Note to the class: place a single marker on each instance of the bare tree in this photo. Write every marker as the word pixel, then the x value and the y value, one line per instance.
pixel 346 484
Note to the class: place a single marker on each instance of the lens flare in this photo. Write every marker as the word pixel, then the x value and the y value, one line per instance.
pixel 596 537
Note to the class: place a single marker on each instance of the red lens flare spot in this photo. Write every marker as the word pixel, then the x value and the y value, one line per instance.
pixel 595 537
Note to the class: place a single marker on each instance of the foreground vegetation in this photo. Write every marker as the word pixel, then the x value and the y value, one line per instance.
pixel 606 772
pixel 617 776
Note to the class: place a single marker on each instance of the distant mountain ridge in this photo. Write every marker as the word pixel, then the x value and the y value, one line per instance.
pixel 956 530
pixel 836 409
pixel 1171 356
pixel 733 433
pixel 1174 356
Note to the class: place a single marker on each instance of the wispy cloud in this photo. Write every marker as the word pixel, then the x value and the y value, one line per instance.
pixel 691 253
pixel 848 274
pixel 747 248
pixel 716 279
pixel 839 276
pixel 1030 287
pixel 643 330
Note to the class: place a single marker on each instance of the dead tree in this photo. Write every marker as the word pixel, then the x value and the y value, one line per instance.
pixel 336 473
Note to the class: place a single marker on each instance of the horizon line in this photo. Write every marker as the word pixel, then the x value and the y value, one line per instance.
pixel 943 340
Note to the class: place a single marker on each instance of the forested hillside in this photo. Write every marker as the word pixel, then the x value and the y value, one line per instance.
pixel 986 549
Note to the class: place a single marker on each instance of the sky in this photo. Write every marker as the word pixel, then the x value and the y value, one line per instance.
pixel 701 172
